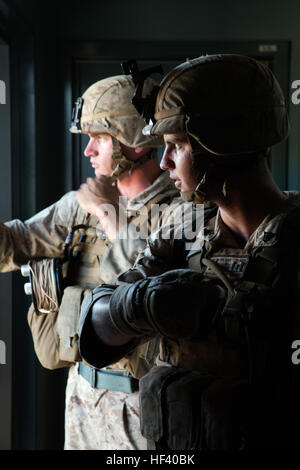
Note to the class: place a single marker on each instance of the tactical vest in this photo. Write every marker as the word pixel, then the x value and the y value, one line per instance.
pixel 253 335
pixel 55 334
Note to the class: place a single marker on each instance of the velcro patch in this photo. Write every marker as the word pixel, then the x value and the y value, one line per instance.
pixel 232 266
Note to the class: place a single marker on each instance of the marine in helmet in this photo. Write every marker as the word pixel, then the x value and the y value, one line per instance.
pixel 125 164
pixel 228 315
pixel 101 406
pixel 106 114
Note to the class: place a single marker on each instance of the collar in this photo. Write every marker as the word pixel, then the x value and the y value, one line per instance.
pixel 215 234
pixel 266 233
pixel 162 184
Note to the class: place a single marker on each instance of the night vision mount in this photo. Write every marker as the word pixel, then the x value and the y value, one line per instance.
pixel 145 106
pixel 76 116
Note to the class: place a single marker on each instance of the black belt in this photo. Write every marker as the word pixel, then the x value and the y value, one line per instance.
pixel 108 379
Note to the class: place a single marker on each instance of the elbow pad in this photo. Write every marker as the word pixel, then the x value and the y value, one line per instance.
pixel 177 304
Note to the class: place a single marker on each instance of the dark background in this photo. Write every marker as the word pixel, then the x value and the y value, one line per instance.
pixel 53 51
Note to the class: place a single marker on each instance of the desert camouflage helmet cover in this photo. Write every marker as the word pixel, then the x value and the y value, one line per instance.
pixel 230 104
pixel 107 108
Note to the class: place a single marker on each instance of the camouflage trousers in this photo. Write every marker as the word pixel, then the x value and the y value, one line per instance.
pixel 97 419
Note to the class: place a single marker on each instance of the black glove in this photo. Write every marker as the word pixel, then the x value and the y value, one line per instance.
pixel 176 304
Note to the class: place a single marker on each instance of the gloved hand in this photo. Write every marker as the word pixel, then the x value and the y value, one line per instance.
pixel 176 304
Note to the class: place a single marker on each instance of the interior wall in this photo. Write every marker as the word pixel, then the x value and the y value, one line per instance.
pixel 5 281
pixel 36 183
pixel 193 20
pixel 42 18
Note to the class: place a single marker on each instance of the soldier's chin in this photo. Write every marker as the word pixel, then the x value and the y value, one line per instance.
pixel 99 174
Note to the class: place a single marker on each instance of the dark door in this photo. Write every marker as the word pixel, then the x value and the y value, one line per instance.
pixel 5 280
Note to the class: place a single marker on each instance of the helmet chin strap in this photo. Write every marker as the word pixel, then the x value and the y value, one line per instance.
pixel 122 163
pixel 198 196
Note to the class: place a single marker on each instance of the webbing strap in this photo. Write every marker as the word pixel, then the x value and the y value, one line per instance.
pixel 107 114
pixel 108 380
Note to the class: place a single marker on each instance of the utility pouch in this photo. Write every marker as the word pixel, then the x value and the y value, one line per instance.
pixel 58 286
pixel 143 358
pixel 55 334
pixel 67 323
pixel 170 406
pixel 45 338
pixel 183 409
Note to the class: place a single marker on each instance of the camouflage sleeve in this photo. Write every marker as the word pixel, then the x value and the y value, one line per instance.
pixel 168 246
pixel 157 258
pixel 41 236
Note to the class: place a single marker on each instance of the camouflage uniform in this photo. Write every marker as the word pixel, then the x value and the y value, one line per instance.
pixel 43 235
pixel 98 419
pixel 106 109
pixel 215 242
pixel 220 361
pixel 227 322
pixel 105 419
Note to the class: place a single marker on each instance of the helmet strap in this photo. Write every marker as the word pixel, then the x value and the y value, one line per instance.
pixel 225 188
pixel 198 196
pixel 123 163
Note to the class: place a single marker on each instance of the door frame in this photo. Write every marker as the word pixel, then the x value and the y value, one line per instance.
pixel 18 34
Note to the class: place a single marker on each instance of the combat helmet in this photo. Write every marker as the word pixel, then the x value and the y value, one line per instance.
pixel 106 107
pixel 230 104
